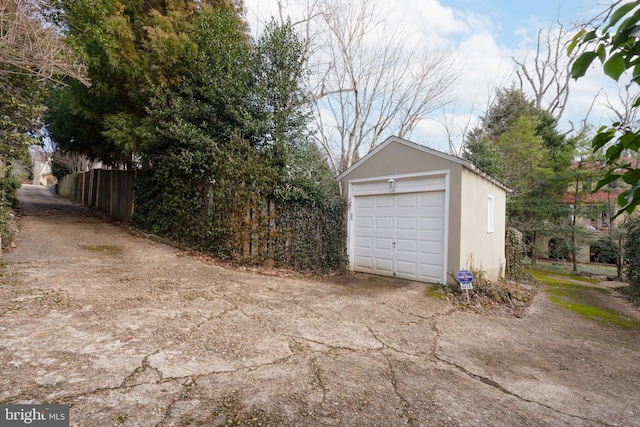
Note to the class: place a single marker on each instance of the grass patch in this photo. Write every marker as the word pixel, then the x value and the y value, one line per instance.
pixel 102 248
pixel 437 291
pixel 567 267
pixel 581 299
pixel 560 277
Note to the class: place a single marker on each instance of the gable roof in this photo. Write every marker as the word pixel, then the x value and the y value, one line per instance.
pixel 394 139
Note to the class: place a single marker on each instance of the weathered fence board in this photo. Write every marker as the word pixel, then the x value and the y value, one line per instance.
pixel 303 236
pixel 110 191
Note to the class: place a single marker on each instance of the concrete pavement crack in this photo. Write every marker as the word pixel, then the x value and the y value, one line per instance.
pixel 430 317
pixel 394 384
pixel 317 376
pixel 494 384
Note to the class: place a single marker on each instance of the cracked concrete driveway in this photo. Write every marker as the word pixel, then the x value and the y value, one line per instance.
pixel 135 333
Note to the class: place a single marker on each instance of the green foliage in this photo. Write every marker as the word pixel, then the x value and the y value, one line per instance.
pixel 520 145
pixel 21 110
pixel 8 188
pixel 508 105
pixel 515 249
pixel 483 153
pixel 311 236
pixel 524 151
pixel 131 49
pixel 632 255
pixel 605 251
pixel 230 169
pixel 217 122
pixel 283 105
pixel 615 43
pixel 561 249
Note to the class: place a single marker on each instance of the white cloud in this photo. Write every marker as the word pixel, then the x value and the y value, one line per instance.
pixel 482 61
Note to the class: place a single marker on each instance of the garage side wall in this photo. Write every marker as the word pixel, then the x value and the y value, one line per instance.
pixel 483 225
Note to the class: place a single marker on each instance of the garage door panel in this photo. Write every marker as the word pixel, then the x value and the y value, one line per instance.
pixel 407 268
pixel 364 222
pixel 430 247
pixel 435 198
pixel 408 201
pixel 364 242
pixel 365 202
pixel 384 265
pixel 384 201
pixel 364 262
pixel 434 272
pixel 407 245
pixel 384 223
pixel 407 223
pixel 400 235
pixel 431 212
pixel 384 244
pixel 431 224
pixel 432 236
pixel 432 259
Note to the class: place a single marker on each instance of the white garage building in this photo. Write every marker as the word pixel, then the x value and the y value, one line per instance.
pixel 419 214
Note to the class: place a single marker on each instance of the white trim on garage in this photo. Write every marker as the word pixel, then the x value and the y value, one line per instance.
pixel 429 182
pixel 465 163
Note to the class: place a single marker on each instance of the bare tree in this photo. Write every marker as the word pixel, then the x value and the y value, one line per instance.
pixel 28 46
pixel 455 130
pixel 548 73
pixel 74 162
pixel 623 109
pixel 369 81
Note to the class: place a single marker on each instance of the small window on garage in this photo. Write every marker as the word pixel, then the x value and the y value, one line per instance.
pixel 490 214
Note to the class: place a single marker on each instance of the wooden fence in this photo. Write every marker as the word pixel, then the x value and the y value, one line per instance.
pixel 110 191
pixel 302 236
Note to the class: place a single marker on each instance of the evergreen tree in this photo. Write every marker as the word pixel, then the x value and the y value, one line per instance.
pixel 520 145
pixel 131 48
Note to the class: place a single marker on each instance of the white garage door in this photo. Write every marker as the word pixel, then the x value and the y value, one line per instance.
pixel 400 235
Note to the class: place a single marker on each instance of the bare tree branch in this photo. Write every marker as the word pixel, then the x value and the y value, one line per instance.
pixel 28 47
pixel 549 73
pixel 74 162
pixel 369 81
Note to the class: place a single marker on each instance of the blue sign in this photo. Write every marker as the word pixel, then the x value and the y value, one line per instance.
pixel 465 278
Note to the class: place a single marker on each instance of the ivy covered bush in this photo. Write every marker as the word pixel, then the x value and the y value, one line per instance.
pixel 632 258
pixel 516 249
pixel 8 188
pixel 229 168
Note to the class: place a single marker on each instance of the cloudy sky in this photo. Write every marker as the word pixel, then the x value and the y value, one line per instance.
pixel 484 35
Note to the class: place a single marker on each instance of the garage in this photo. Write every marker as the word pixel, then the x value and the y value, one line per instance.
pixel 419 214
pixel 400 234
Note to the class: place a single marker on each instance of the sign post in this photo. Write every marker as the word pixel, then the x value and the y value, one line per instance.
pixel 465 277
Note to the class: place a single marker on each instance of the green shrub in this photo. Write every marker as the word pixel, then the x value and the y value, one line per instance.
pixel 604 251
pixel 632 258
pixel 516 249
pixel 8 188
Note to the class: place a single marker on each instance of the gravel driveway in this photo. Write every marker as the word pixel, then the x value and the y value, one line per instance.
pixel 135 333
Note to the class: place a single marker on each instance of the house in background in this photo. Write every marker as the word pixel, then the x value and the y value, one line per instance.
pixel 419 214
pixel 41 163
pixel 598 233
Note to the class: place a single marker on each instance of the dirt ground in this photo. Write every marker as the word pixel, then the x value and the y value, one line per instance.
pixel 135 333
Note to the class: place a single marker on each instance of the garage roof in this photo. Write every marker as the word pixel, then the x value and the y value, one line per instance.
pixel 394 139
